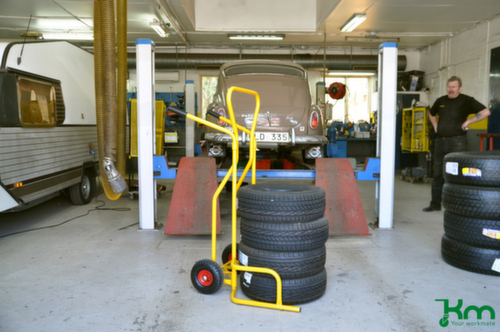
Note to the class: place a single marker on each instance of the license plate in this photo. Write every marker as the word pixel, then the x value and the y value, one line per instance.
pixel 272 137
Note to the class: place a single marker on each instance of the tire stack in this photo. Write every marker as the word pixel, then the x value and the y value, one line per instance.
pixel 471 197
pixel 283 227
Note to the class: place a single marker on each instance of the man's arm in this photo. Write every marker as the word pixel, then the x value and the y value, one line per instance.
pixel 478 117
pixel 434 122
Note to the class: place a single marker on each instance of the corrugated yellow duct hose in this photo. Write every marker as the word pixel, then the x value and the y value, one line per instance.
pixel 115 179
pixel 100 84
pixel 121 41
pixel 109 63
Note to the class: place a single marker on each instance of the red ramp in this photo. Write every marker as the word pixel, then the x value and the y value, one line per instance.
pixel 343 203
pixel 190 209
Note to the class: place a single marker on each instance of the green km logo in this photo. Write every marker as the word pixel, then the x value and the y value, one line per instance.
pixel 464 315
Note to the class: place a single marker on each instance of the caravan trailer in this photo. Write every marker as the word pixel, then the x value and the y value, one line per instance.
pixel 48 134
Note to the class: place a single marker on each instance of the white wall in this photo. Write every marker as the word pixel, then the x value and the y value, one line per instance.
pixel 467 55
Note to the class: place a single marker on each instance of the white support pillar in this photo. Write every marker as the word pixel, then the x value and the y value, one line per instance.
pixel 145 131
pixel 190 108
pixel 386 140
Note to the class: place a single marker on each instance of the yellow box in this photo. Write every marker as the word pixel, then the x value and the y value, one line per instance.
pixel 171 137
pixel 415 129
pixel 483 124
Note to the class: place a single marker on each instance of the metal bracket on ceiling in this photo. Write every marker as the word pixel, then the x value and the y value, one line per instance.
pixel 173 21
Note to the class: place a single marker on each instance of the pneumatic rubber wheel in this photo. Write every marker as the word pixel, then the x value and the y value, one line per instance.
pixel 227 253
pixel 81 193
pixel 281 202
pixel 207 276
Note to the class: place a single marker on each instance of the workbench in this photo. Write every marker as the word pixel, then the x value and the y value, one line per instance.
pixel 359 148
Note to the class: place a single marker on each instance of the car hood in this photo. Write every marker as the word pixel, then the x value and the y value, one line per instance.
pixel 284 101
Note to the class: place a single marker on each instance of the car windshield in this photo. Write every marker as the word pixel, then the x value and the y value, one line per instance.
pixel 264 69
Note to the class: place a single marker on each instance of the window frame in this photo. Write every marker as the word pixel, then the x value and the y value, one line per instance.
pixel 42 104
pixel 370 80
pixel 203 108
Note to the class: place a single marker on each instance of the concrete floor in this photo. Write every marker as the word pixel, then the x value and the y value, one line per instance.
pixel 99 273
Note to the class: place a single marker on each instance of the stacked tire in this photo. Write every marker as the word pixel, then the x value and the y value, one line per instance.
pixel 471 197
pixel 283 227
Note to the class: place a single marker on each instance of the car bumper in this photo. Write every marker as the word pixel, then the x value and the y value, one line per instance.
pixel 295 140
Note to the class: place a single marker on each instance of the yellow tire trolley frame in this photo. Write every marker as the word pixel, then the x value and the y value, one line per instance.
pixel 207 276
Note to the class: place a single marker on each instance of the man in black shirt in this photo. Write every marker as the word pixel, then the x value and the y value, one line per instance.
pixel 453 110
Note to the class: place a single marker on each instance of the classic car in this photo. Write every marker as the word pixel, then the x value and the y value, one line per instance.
pixel 287 120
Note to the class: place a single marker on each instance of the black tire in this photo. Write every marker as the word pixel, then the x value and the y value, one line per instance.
pixel 476 202
pixel 82 193
pixel 281 202
pixel 227 253
pixel 473 168
pixel 285 236
pixel 294 291
pixel 207 276
pixel 289 265
pixel 466 257
pixel 470 230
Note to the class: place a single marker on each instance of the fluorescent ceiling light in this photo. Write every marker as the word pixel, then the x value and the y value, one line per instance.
pixel 372 39
pixel 68 36
pixel 256 37
pixel 34 34
pixel 159 28
pixel 353 22
pixel 351 73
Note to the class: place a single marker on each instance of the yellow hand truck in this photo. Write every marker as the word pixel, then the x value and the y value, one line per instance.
pixel 206 275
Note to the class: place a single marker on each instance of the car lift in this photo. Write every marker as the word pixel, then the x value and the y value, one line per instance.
pixel 344 210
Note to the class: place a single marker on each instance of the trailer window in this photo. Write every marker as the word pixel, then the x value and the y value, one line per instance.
pixel 37 103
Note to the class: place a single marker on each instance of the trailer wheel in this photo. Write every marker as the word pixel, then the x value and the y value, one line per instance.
pixel 207 276
pixel 81 193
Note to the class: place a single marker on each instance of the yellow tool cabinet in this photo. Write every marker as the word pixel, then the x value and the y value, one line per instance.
pixel 415 129
pixel 160 110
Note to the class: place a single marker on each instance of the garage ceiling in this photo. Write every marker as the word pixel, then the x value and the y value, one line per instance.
pixel 304 23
